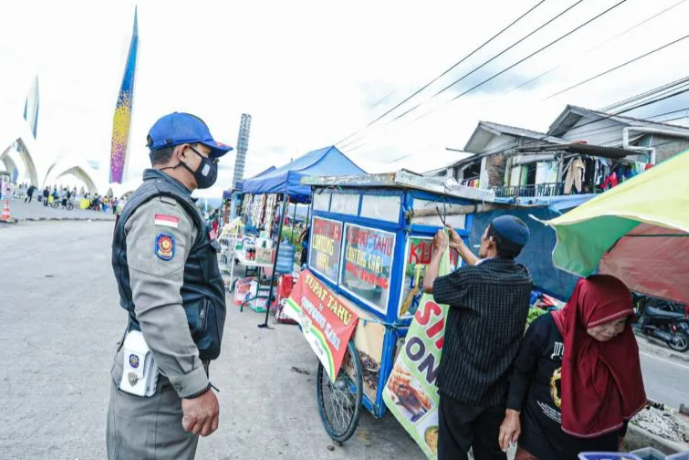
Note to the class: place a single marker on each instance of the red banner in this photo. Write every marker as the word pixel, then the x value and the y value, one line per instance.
pixel 327 323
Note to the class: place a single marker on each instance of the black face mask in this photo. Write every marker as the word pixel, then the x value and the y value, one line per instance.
pixel 207 172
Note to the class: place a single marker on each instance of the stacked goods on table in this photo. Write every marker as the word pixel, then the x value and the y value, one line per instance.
pixel 264 252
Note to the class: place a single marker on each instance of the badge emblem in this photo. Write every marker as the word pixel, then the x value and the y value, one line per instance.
pixel 165 246
pixel 134 361
pixel 133 378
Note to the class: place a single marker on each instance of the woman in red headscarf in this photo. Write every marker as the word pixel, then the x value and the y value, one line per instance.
pixel 577 377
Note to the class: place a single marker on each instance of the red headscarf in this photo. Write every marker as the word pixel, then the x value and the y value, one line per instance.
pixel 601 381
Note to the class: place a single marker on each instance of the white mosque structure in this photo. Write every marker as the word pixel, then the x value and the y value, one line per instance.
pixel 27 161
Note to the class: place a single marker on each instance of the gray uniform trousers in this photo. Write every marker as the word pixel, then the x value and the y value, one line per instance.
pixel 147 428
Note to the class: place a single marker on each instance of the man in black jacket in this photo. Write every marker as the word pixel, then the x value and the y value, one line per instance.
pixel 46 194
pixel 29 193
pixel 489 302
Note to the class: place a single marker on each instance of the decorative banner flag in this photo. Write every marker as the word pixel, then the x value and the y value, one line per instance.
pixel 123 111
pixel 325 320
pixel 411 393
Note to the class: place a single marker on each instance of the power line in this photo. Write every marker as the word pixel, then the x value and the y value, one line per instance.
pixel 645 94
pixel 500 148
pixel 526 58
pixel 617 67
pixel 592 48
pixel 562 37
pixel 383 99
pixel 612 115
pixel 506 49
pixel 475 69
pixel 449 69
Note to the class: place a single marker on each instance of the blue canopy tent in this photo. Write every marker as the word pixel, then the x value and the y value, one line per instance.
pixel 233 194
pixel 328 161
pixel 286 180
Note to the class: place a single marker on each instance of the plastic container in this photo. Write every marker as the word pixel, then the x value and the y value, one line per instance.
pixel 607 456
pixel 285 262
pixel 649 453
pixel 679 456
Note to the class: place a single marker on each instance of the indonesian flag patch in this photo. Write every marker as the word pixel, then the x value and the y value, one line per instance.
pixel 166 220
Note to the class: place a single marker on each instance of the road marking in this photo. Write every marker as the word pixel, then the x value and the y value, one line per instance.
pixel 664 360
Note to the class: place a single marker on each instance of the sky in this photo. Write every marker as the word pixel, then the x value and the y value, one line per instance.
pixel 312 73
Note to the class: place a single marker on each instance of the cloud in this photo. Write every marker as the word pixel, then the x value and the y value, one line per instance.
pixel 310 72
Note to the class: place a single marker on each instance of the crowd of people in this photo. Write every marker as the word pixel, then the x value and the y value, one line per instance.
pixel 67 198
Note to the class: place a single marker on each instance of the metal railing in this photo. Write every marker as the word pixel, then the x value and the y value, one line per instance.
pixel 549 189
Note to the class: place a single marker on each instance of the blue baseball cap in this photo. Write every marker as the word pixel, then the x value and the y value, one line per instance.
pixel 512 228
pixel 184 128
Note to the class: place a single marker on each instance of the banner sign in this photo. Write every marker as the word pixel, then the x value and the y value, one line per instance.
pixel 6 190
pixel 411 393
pixel 367 268
pixel 327 323
pixel 417 256
pixel 326 241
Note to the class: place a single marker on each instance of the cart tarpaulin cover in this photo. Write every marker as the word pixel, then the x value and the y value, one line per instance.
pixel 637 231
pixel 327 323
pixel 328 161
pixel 411 393
pixel 537 254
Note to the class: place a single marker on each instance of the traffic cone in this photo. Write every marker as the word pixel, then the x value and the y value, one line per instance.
pixel 6 212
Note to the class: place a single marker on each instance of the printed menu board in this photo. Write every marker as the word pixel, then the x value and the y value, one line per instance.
pixel 326 241
pixel 367 265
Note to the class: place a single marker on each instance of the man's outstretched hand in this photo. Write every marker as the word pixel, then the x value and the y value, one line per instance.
pixel 455 240
pixel 440 241
pixel 201 415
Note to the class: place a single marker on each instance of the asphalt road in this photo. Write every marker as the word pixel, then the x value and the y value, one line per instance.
pixel 666 380
pixel 59 325
pixel 60 322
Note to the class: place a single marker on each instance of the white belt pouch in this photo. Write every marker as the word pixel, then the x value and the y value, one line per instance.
pixel 140 372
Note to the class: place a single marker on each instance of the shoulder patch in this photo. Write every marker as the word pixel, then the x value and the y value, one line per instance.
pixel 166 220
pixel 165 246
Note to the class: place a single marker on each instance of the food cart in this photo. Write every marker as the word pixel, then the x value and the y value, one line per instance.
pixel 370 239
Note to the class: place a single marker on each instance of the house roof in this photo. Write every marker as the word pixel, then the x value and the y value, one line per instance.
pixel 582 149
pixel 572 114
pixel 486 130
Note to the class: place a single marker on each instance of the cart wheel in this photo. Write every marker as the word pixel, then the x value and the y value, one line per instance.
pixel 339 403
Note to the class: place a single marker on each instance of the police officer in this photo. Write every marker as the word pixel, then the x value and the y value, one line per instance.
pixel 169 282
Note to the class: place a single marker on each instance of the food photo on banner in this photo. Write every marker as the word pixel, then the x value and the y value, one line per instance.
pixel 326 321
pixel 368 256
pixel 411 393
pixel 326 242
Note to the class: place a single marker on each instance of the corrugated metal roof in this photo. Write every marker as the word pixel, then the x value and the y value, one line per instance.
pixel 402 179
pixel 522 132
pixel 583 149
pixel 560 126
pixel 485 130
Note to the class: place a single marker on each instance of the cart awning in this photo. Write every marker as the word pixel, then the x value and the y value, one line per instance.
pixel 637 231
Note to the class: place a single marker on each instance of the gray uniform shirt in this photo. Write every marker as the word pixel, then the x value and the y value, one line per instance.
pixel 156 285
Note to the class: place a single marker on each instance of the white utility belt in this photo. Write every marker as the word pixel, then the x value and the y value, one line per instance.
pixel 139 370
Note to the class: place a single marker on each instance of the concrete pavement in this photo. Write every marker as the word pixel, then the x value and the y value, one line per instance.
pixel 59 325
pixel 60 322
pixel 36 211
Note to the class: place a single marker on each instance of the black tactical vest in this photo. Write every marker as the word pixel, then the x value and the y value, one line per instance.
pixel 203 294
